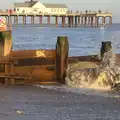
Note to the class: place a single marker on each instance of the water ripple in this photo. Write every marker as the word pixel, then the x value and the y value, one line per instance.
pixel 82 41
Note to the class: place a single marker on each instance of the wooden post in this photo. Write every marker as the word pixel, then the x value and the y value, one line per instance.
pixel 5 49
pixel 82 20
pixel 97 21
pixel 85 21
pixel 5 43
pixel 8 20
pixel 40 19
pixel 103 20
pixel 12 81
pixel 110 20
pixel 6 79
pixel 75 21
pixel 33 19
pixel 56 21
pixel 14 19
pixel 24 20
pixel 106 47
pixel 48 20
pixel 62 48
pixel 89 21
pixel 72 21
pixel 69 23
pixel 17 19
pixel 9 70
pixel 7 82
pixel 78 20
pixel 6 17
pixel 91 24
pixel 63 21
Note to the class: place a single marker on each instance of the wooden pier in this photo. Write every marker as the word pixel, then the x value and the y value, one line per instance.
pixel 76 19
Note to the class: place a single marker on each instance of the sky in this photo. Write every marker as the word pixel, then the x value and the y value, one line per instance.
pixel 81 5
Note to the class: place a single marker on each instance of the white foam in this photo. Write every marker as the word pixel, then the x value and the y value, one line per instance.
pixel 86 91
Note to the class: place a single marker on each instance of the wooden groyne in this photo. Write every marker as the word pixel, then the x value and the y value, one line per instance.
pixel 28 67
pixel 71 19
pixel 32 66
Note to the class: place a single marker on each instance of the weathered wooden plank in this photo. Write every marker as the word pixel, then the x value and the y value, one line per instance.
pixel 44 72
pixel 91 58
pixel 33 61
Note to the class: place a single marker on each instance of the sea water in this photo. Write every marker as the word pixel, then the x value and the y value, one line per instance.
pixel 82 41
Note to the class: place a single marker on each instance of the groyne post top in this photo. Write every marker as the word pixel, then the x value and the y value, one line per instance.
pixel 106 47
pixel 5 43
pixel 62 48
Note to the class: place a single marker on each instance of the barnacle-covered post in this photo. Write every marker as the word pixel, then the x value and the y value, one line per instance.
pixel 5 43
pixel 62 48
pixel 106 47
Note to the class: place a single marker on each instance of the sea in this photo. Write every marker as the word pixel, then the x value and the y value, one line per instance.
pixel 82 41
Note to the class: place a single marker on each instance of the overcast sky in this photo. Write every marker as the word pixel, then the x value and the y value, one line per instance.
pixel 111 5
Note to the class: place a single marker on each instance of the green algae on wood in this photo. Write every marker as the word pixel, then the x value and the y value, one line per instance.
pixel 62 48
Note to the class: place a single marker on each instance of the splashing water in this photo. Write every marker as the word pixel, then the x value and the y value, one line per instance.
pixel 115 40
pixel 102 28
pixel 105 76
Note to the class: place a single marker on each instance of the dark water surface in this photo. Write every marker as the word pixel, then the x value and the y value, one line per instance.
pixel 83 41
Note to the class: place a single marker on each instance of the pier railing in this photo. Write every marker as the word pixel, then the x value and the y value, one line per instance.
pixel 52 14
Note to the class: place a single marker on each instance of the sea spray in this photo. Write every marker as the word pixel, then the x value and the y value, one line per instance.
pixel 102 29
pixel 106 75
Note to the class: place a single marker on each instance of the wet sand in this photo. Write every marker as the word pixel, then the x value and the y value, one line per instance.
pixel 32 103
